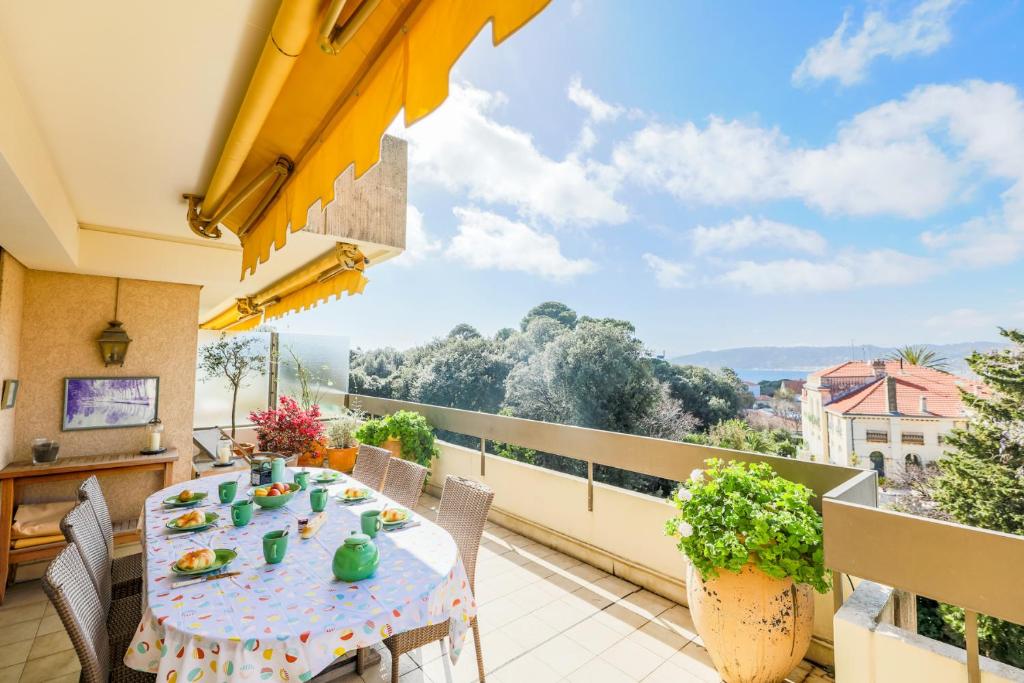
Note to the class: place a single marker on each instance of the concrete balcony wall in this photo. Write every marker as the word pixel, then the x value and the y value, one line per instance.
pixel 870 648
pixel 623 535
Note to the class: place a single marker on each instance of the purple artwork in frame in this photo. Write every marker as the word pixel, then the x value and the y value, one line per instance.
pixel 109 402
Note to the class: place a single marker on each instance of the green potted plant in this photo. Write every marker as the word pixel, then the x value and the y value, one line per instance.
pixel 341 439
pixel 411 436
pixel 755 554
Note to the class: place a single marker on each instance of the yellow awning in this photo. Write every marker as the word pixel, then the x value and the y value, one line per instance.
pixel 333 109
pixel 330 276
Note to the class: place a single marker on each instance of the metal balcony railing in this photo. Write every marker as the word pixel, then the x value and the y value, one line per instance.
pixel 976 569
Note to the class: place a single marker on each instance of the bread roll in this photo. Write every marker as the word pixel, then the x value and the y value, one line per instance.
pixel 194 518
pixel 197 559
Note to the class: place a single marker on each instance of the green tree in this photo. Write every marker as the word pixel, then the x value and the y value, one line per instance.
pixel 555 310
pixel 236 359
pixel 741 436
pixel 981 480
pixel 464 331
pixel 462 372
pixel 709 395
pixel 372 372
pixel 921 355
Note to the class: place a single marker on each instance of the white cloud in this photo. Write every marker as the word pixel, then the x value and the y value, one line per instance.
pixel 668 274
pixel 961 323
pixel 487 240
pixel 461 148
pixel 418 243
pixel 910 157
pixel 746 232
pixel 596 108
pixel 849 269
pixel 846 58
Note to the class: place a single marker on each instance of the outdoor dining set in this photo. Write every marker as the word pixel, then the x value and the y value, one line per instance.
pixel 294 580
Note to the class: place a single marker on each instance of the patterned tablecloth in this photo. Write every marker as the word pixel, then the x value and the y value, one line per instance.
pixel 291 620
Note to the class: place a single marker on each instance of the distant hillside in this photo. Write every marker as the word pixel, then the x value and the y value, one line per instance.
pixel 810 358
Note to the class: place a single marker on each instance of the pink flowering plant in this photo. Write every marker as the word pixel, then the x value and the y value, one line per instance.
pixel 287 429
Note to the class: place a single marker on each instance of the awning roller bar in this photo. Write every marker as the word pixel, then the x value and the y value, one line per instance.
pixel 210 229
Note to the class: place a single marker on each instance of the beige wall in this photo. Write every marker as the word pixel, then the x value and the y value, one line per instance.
pixel 63 314
pixel 12 283
pixel 623 535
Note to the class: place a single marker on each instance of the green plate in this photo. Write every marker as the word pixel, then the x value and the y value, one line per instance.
pixel 197 497
pixel 327 477
pixel 224 558
pixel 343 499
pixel 272 502
pixel 211 517
pixel 403 520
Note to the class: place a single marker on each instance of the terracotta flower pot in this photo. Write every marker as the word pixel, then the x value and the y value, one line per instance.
pixel 756 628
pixel 342 459
pixel 313 456
pixel 394 445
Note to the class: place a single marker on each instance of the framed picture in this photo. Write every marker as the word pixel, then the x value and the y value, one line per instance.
pixel 109 402
pixel 10 394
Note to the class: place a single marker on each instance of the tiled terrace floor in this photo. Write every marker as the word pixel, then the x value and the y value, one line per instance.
pixel 544 616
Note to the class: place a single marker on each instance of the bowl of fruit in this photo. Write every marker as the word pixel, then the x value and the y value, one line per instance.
pixel 276 495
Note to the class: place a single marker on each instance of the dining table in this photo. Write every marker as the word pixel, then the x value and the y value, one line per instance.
pixel 291 620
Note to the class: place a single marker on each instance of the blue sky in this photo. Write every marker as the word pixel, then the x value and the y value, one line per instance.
pixel 721 174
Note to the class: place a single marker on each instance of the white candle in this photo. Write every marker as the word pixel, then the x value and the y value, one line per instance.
pixel 154 441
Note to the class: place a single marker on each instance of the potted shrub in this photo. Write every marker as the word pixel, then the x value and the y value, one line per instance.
pixel 410 435
pixel 342 442
pixel 290 430
pixel 755 554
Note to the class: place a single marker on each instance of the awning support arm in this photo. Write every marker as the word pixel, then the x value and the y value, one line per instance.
pixel 333 37
pixel 210 228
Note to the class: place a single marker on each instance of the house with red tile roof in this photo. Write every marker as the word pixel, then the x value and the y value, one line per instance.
pixel 883 415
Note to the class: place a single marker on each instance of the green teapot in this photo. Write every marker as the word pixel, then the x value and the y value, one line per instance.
pixel 356 559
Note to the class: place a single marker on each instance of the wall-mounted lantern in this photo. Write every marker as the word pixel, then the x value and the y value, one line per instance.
pixel 114 340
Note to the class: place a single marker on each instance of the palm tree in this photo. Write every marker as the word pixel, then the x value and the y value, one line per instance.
pixel 922 356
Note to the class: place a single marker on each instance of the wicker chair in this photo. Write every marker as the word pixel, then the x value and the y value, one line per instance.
pixel 404 482
pixel 70 589
pixel 371 466
pixel 125 572
pixel 81 529
pixel 462 513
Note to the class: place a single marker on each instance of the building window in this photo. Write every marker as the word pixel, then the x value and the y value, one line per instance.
pixel 877 436
pixel 916 438
pixel 912 459
pixel 877 463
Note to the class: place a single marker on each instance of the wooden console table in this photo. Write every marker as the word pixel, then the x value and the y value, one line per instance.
pixel 16 476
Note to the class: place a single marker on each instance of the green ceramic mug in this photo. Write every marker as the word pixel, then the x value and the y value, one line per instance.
pixel 318 499
pixel 227 490
pixel 241 512
pixel 370 522
pixel 275 545
pixel 302 479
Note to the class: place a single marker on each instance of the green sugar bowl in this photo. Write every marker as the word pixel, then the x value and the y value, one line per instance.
pixel 356 559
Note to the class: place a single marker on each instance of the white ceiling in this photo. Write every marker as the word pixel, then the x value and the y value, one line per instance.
pixel 134 99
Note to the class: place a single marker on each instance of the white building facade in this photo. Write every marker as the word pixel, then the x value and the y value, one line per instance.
pixel 882 415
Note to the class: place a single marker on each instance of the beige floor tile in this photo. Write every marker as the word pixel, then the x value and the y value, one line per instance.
pixel 670 672
pixel 441 670
pixel 414 676
pixel 632 658
pixel 678 619
pixel 13 633
pixel 587 573
pixel 31 612
pixel 50 624
pixel 11 674
pixel 24 594
pixel 616 587
pixel 593 635
pixel 599 671
pixel 530 668
pixel 620 618
pixel 658 639
pixel 49 644
pixel 49 667
pixel 563 613
pixel 597 599
pixel 695 660
pixel 66 678
pixel 497 613
pixel 430 652
pixel 561 561
pixel 563 654
pixel 497 651
pixel 528 631
pixel 14 653
pixel 50 609
pixel 647 604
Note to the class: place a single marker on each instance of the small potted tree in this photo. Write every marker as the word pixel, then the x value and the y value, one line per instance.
pixel 342 444
pixel 410 435
pixel 290 430
pixel 755 554
pixel 236 359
